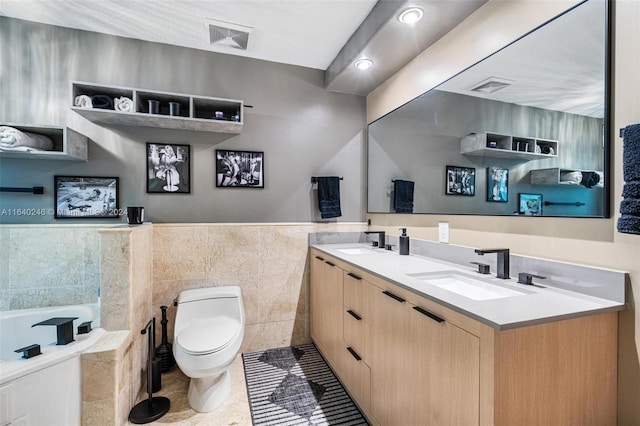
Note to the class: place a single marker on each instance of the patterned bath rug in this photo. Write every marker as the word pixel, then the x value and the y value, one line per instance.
pixel 295 386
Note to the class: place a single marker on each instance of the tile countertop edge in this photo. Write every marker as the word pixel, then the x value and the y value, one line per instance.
pixel 614 307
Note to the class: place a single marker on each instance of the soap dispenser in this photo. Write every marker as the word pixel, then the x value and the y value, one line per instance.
pixel 404 242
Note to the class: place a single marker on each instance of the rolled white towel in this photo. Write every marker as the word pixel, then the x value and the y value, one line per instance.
pixel 83 101
pixel 12 138
pixel 123 104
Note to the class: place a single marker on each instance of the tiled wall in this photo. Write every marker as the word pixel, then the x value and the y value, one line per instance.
pixel 268 261
pixel 44 266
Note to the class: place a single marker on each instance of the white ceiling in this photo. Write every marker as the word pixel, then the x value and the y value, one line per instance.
pixel 309 33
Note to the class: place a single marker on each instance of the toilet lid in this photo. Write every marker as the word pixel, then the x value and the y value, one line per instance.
pixel 207 335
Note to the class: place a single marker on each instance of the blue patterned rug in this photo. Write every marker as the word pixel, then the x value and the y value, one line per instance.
pixel 295 386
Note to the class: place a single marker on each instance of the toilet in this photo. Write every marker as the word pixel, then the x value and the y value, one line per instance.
pixel 207 336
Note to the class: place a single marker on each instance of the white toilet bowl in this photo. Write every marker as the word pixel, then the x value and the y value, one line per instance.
pixel 207 335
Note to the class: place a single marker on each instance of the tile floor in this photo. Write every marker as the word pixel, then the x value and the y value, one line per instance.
pixel 235 411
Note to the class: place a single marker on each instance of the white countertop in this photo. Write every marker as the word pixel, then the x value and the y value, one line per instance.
pixel 537 304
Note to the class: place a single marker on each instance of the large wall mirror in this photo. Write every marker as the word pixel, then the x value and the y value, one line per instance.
pixel 523 132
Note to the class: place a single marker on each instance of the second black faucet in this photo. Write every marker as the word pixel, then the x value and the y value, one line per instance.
pixel 503 261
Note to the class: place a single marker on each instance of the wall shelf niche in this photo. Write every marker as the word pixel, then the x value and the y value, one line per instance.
pixel 68 144
pixel 563 177
pixel 198 113
pixel 497 145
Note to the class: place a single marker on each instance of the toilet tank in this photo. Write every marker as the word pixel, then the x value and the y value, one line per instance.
pixel 209 302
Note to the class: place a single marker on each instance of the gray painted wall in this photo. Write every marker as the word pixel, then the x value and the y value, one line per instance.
pixel 302 129
pixel 418 140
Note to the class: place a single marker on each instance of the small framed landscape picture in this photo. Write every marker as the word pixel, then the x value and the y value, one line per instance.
pixel 239 169
pixel 530 204
pixel 460 180
pixel 84 197
pixel 497 184
pixel 168 168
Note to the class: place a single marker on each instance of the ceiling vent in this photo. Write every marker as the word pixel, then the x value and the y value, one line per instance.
pixel 491 84
pixel 227 34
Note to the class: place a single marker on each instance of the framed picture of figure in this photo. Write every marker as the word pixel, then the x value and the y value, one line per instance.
pixel 239 169
pixel 497 184
pixel 460 181
pixel 530 204
pixel 168 168
pixel 86 197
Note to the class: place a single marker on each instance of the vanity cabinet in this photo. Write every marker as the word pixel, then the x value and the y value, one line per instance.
pixel 496 145
pixel 422 363
pixel 198 113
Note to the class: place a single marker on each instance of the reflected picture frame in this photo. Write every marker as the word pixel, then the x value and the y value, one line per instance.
pixel 529 204
pixel 497 185
pixel 460 181
pixel 86 197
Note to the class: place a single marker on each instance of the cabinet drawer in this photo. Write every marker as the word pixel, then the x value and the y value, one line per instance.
pixel 357 294
pixel 356 333
pixel 356 377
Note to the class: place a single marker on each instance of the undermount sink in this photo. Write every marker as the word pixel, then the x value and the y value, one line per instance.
pixel 466 286
pixel 355 250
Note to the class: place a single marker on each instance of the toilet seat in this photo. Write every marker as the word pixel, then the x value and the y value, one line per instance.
pixel 209 335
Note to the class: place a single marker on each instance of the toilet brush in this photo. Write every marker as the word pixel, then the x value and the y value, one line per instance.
pixel 163 352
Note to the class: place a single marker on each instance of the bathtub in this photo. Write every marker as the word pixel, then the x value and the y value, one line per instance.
pixel 46 389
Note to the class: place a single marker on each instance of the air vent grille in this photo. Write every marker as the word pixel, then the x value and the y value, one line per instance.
pixel 227 34
pixel 491 84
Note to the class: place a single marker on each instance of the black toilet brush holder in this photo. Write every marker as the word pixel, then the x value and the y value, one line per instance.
pixel 153 407
pixel 164 352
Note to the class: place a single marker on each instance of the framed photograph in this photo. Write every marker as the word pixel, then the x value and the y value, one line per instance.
pixel 497 184
pixel 168 168
pixel 530 204
pixel 84 197
pixel 239 169
pixel 460 181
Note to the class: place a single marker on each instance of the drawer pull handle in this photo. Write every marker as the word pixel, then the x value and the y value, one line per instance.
pixel 329 263
pixel 353 314
pixel 393 296
pixel 354 276
pixel 429 314
pixel 320 258
pixel 354 354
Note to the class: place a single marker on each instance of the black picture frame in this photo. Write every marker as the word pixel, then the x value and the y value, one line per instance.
pixel 460 181
pixel 530 204
pixel 86 197
pixel 168 168
pixel 497 184
pixel 239 169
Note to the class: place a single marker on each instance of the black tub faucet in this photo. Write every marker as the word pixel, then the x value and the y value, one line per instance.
pixel 503 261
pixel 380 237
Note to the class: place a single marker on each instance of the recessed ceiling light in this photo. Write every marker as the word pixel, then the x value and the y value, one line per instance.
pixel 410 15
pixel 363 64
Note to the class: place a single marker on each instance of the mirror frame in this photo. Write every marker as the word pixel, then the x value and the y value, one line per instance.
pixel 607 119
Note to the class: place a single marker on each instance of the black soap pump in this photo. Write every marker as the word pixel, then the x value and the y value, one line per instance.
pixel 404 242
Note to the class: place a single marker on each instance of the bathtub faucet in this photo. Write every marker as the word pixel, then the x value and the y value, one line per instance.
pixel 64 328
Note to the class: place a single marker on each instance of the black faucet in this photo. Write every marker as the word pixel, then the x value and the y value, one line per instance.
pixel 380 237
pixel 503 261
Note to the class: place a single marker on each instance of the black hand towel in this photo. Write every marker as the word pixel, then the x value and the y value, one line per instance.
pixel 329 196
pixel 631 190
pixel 102 102
pixel 403 196
pixel 631 153
pixel 590 179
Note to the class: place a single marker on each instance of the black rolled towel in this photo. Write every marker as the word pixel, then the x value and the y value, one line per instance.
pixel 631 153
pixel 629 224
pixel 329 196
pixel 631 190
pixel 102 102
pixel 590 179
pixel 630 206
pixel 403 196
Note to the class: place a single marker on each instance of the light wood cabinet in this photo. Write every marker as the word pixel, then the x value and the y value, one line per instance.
pixel 422 363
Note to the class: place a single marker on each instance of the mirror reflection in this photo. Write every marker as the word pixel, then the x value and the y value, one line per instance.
pixel 522 132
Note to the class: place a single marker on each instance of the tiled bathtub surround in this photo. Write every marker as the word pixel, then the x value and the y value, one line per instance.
pixel 48 265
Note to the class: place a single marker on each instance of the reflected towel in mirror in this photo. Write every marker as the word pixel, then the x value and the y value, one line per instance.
pixel 403 196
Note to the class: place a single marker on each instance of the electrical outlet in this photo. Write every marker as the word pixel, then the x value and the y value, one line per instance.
pixel 443 232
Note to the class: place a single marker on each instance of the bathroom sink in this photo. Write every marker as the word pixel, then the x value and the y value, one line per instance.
pixel 355 250
pixel 466 286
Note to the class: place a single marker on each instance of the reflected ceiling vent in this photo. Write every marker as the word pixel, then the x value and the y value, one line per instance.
pixel 491 84
pixel 227 34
